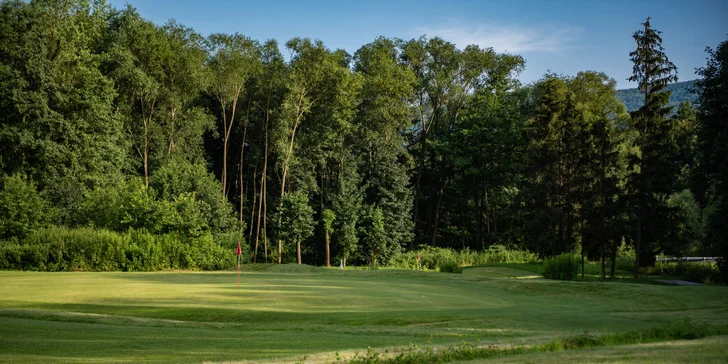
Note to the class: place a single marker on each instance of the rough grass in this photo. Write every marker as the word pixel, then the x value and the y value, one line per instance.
pixel 707 350
pixel 283 313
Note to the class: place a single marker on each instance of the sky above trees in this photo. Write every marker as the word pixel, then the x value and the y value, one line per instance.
pixel 563 36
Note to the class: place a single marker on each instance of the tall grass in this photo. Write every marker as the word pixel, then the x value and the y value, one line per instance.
pixel 564 267
pixel 432 257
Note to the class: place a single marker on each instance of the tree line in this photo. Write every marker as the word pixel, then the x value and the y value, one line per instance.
pixel 112 122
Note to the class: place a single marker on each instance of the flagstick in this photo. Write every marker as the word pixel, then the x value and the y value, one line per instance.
pixel 238 271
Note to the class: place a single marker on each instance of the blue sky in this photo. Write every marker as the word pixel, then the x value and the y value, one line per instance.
pixel 562 36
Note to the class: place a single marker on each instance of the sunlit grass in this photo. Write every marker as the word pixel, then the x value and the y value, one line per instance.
pixel 291 311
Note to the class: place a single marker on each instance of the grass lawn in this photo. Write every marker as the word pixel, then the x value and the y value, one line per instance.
pixel 286 313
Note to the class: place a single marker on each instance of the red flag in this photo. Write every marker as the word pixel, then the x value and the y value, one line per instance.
pixel 238 251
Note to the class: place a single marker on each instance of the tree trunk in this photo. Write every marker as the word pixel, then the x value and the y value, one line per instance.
pixel 147 121
pixel 495 221
pixel 344 260
pixel 614 260
pixel 252 208
pixel 260 208
pixel 487 207
pixel 264 192
pixel 146 154
pixel 170 147
pixel 298 250
pixel 637 244
pixel 328 252
pixel 285 169
pixel 478 218
pixel 242 155
pixel 255 255
pixel 262 199
pixel 226 138
pixel 436 223
pixel 223 179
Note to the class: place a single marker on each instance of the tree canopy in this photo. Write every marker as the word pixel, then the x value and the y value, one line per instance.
pixel 110 121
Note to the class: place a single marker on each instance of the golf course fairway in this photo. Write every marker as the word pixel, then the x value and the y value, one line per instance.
pixel 296 313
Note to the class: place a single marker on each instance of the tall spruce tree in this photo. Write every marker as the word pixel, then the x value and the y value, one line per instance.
pixel 652 181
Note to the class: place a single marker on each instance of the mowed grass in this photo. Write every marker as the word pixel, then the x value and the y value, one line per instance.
pixel 294 313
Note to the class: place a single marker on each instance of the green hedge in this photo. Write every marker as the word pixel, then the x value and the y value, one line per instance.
pixel 60 249
pixel 564 267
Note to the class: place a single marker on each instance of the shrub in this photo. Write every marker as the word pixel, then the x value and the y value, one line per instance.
pixel 61 249
pixel 563 267
pixel 199 192
pixel 449 266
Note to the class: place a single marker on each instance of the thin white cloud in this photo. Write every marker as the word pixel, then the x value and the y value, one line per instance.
pixel 512 39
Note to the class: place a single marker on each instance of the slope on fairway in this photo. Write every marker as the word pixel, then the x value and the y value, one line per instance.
pixel 289 312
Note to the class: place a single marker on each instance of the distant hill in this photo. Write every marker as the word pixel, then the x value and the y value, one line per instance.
pixel 681 91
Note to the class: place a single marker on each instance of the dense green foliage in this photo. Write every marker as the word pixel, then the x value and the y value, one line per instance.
pixel 60 249
pixel 112 123
pixel 713 147
pixel 563 267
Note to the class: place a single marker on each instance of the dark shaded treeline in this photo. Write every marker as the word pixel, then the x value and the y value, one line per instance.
pixel 113 122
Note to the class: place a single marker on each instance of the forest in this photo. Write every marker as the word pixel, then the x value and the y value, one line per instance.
pixel 126 145
pixel 680 92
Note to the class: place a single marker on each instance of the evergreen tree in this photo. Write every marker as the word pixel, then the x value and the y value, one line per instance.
pixel 551 159
pixel 653 180
pixel 599 171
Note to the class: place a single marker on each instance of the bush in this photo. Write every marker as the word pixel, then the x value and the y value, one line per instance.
pixel 563 267
pixel 60 249
pixel 449 266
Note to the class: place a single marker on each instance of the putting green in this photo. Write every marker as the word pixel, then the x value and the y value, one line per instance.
pixel 288 312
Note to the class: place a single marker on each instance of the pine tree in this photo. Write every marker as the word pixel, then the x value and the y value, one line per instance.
pixel 652 181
